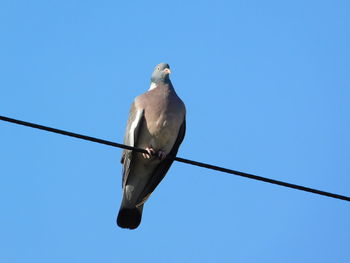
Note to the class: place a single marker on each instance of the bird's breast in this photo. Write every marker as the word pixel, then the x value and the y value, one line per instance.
pixel 161 131
pixel 164 113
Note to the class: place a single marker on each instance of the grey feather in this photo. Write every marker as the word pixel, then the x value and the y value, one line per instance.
pixel 157 120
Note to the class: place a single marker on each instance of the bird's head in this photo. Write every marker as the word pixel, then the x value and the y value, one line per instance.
pixel 161 73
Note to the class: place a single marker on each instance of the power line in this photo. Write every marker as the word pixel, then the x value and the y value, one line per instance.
pixel 204 165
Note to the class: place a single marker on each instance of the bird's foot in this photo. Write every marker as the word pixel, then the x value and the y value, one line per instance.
pixel 150 153
pixel 161 155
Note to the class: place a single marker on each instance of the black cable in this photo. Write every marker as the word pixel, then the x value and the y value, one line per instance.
pixel 204 165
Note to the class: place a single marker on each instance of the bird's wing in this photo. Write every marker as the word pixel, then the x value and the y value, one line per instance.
pixel 135 120
pixel 162 168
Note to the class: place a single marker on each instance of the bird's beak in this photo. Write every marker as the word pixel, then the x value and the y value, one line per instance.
pixel 168 71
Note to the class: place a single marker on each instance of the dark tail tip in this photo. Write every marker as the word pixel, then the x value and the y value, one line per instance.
pixel 129 218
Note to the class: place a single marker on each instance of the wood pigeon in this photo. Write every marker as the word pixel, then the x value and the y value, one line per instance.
pixel 156 123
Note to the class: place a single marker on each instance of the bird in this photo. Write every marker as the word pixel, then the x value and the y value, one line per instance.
pixel 157 123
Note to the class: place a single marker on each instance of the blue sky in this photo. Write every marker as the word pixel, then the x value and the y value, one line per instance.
pixel 266 85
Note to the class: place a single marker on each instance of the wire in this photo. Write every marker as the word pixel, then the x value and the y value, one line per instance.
pixel 178 159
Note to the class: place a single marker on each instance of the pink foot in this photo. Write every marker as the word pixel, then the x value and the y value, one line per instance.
pixel 150 153
pixel 161 155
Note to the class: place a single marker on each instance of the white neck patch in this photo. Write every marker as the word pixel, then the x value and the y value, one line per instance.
pixel 153 86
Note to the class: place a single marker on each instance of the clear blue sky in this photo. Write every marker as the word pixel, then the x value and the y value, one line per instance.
pixel 267 90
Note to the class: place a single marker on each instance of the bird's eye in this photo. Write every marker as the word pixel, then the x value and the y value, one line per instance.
pixel 158 68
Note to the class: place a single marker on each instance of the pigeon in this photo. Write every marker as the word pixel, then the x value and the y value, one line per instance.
pixel 157 124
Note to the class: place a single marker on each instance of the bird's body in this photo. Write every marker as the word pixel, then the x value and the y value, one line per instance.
pixel 157 124
pixel 164 112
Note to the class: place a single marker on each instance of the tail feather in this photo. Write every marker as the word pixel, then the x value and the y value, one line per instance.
pixel 129 217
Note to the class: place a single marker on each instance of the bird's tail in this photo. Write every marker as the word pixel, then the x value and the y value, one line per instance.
pixel 129 217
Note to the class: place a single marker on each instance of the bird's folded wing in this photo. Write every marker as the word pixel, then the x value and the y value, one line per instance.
pixel 136 117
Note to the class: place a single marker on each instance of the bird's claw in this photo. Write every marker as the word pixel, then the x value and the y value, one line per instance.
pixel 150 153
pixel 161 155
